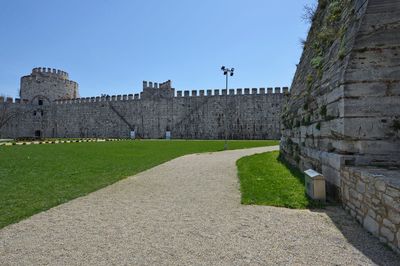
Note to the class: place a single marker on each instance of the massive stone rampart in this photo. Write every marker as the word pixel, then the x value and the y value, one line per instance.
pixel 249 114
pixel 344 109
pixel 344 106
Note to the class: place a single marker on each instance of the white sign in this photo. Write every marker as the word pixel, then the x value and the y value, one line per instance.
pixel 132 134
pixel 168 135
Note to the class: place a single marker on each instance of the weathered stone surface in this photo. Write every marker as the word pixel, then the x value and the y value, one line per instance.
pixel 395 193
pixel 379 211
pixel 380 185
pixel 47 85
pixel 389 225
pixel 371 225
pixel 360 187
pixel 371 213
pixel 398 238
pixel 387 233
pixel 356 195
pixel 387 200
pixel 347 105
pixel 394 216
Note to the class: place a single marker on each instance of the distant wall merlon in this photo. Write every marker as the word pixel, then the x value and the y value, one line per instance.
pixel 166 85
pixel 49 70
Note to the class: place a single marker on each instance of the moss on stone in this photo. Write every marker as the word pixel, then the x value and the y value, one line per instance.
pixel 395 125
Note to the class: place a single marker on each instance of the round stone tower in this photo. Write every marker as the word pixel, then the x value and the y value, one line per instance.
pixel 44 85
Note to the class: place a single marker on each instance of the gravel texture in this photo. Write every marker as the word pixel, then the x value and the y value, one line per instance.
pixel 187 212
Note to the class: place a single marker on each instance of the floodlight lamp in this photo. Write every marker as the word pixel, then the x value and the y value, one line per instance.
pixel 231 74
pixel 223 68
pixel 232 69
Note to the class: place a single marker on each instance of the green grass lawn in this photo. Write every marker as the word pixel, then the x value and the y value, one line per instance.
pixel 34 178
pixel 265 180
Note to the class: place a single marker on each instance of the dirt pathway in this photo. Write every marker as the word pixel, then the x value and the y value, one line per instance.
pixel 187 212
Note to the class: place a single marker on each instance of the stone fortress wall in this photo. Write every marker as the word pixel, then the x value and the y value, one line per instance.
pixel 343 115
pixel 250 113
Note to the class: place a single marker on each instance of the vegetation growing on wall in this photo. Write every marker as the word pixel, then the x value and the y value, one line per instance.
pixel 328 33
pixel 325 47
pixel 396 125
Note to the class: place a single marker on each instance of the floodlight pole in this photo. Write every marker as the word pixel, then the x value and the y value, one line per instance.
pixel 225 113
pixel 227 72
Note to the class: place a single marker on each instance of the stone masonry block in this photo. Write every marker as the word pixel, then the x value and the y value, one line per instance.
pixel 387 233
pixel 394 216
pixel 371 225
pixel 360 187
pixel 380 185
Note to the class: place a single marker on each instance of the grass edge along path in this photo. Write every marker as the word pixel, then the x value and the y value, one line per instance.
pixel 35 178
pixel 267 180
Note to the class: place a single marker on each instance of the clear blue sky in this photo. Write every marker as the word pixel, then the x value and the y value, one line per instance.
pixel 112 46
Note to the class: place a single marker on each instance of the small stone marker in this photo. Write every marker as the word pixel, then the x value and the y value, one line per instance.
pixel 315 185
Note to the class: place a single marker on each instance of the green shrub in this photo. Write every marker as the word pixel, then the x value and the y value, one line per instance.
pixel 309 80
pixel 335 11
pixel 395 125
pixel 306 120
pixel 322 4
pixel 341 54
pixel 323 111
pixel 317 62
pixel 327 35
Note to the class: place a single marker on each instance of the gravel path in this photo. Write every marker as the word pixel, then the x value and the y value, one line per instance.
pixel 187 212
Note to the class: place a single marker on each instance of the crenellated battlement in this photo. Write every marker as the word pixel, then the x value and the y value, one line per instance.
pixel 232 92
pixel 52 107
pixel 62 80
pixel 154 85
pixel 49 83
pixel 10 100
pixel 179 94
pixel 50 71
